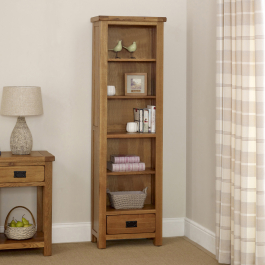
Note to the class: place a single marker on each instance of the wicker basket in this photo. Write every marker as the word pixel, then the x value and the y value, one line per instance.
pixel 127 199
pixel 20 233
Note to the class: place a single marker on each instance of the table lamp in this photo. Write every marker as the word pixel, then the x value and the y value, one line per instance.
pixel 21 101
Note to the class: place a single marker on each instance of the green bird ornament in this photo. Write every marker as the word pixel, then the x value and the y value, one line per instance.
pixel 117 49
pixel 132 48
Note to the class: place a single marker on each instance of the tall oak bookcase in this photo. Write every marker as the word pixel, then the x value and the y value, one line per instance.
pixel 109 117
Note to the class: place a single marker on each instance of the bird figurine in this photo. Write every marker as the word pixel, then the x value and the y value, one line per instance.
pixel 117 49
pixel 131 49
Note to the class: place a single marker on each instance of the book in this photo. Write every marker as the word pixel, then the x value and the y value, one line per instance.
pixel 149 120
pixel 153 117
pixel 141 121
pixel 119 159
pixel 146 120
pixel 136 116
pixel 125 167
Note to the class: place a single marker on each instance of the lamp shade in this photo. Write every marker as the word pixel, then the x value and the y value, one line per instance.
pixel 21 101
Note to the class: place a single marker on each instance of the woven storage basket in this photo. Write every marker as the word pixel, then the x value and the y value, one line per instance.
pixel 127 199
pixel 20 233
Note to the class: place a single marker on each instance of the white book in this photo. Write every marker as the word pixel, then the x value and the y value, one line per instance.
pixel 136 115
pixel 149 119
pixel 141 123
pixel 146 120
pixel 153 117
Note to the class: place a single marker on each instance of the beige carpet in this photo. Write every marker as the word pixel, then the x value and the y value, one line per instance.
pixel 175 250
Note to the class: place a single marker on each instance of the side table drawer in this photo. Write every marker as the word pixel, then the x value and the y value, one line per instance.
pixel 130 224
pixel 21 174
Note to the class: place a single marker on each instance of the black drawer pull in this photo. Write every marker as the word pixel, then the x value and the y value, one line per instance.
pixel 131 224
pixel 19 174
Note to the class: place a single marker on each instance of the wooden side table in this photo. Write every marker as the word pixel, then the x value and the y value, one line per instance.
pixel 38 168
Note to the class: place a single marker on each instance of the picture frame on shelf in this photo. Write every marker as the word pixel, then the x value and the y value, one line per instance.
pixel 135 84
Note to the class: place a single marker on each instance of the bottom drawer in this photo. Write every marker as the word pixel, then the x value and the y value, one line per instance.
pixel 130 224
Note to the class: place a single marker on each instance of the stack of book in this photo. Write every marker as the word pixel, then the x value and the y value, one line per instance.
pixel 146 119
pixel 123 163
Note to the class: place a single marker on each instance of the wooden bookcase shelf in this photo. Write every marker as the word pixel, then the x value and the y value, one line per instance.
pixel 148 208
pixel 130 135
pixel 131 60
pixel 131 97
pixel 148 170
pixel 110 115
pixel 36 242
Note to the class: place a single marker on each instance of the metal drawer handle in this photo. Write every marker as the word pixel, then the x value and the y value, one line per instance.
pixel 131 224
pixel 19 174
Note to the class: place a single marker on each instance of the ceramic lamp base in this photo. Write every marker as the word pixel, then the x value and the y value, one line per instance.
pixel 21 138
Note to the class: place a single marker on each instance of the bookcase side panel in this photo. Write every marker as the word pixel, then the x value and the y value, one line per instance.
pixel 159 133
pixel 103 72
pixel 95 129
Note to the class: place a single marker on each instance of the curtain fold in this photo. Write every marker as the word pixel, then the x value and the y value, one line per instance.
pixel 240 185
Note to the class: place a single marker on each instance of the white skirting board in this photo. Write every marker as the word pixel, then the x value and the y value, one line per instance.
pixel 172 227
pixel 200 235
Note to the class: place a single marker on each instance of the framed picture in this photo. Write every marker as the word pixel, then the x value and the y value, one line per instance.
pixel 136 84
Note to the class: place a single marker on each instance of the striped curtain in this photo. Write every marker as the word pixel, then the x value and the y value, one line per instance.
pixel 240 185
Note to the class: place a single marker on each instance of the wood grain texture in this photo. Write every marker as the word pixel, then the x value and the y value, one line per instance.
pixel 23 184
pixel 36 242
pixel 39 209
pixel 137 146
pixel 33 174
pixel 128 18
pixel 116 121
pixel 117 224
pixel 148 208
pixel 130 236
pixel 130 183
pixel 18 164
pixel 147 171
pixel 96 76
pixel 143 36
pixel 95 180
pixel 94 193
pixel 47 210
pixel 131 97
pixel 48 156
pixel 159 135
pixel 33 157
pixel 125 135
pixel 103 40
pixel 117 71
pixel 131 60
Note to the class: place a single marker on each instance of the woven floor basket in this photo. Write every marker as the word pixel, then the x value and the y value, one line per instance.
pixel 127 199
pixel 20 233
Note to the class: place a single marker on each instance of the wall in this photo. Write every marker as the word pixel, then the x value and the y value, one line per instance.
pixel 48 44
pixel 200 205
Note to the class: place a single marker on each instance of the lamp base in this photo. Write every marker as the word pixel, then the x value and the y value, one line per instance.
pixel 21 138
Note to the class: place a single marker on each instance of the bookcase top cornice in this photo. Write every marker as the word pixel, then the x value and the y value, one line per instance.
pixel 126 18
